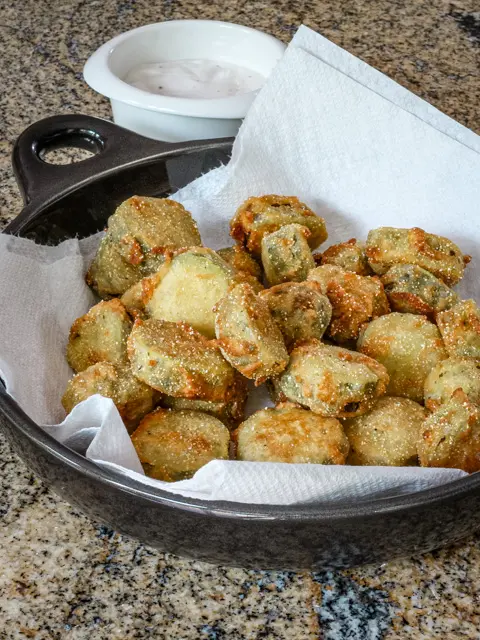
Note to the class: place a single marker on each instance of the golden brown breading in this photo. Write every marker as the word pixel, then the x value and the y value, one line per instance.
pixel 354 299
pixel 286 256
pixel 460 329
pixel 140 233
pixel 300 310
pixel 247 268
pixel 133 398
pixel 409 346
pixel 187 288
pixel 289 433
pixel 248 336
pixel 258 216
pixel 411 289
pixel 230 412
pixel 178 361
pixel 387 246
pixel 238 258
pixel 109 274
pixel 135 298
pixel 331 381
pixel 450 437
pixel 146 228
pixel 387 435
pixel 99 336
pixel 448 376
pixel 173 445
pixel 349 255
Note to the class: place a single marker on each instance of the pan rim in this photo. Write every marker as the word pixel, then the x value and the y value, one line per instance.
pixel 12 412
pixel 254 512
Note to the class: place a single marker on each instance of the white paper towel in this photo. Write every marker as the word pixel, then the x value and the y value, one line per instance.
pixel 359 149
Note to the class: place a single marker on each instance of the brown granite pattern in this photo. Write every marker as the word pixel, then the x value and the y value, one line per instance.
pixel 64 577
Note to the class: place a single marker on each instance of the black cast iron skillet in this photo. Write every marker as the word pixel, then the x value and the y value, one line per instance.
pixel 64 201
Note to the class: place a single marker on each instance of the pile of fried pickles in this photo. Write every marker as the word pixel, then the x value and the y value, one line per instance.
pixel 368 354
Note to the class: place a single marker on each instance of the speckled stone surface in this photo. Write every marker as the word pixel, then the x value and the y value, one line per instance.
pixel 65 577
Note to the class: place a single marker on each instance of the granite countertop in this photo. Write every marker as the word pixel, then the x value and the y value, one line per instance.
pixel 66 577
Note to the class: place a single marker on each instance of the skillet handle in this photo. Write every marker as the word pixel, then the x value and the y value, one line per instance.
pixel 113 146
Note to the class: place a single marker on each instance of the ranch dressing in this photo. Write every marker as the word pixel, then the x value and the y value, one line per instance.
pixel 194 78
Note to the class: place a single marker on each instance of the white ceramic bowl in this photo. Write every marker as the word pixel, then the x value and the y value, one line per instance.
pixel 171 118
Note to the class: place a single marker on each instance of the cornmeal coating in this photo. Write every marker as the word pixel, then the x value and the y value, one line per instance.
pixel 173 445
pixel 178 361
pixel 140 233
pixel 187 288
pixel 355 300
pixel 248 336
pixel 349 255
pixel 450 436
pixel 331 381
pixel 300 310
pixel 411 289
pixel 286 256
pixel 387 246
pixel 133 398
pixel 238 258
pixel 387 435
pixel 460 329
pixel 230 412
pixel 146 228
pixel 99 336
pixel 288 433
pixel 136 296
pixel 258 216
pixel 110 274
pixel 409 346
pixel 448 376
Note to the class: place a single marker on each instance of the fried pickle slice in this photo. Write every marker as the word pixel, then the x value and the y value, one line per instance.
pixel 99 336
pixel 248 336
pixel 258 216
pixel 173 445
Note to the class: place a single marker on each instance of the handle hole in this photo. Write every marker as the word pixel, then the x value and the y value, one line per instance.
pixel 65 155
pixel 69 146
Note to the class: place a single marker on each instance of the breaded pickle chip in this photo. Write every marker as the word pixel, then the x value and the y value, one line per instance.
pixel 230 412
pixel 202 279
pixel 349 255
pixel 289 433
pixel 332 381
pixel 448 376
pixel 387 246
pixel 409 346
pixel 109 274
pixel 136 296
pixel 140 233
pixel 286 256
pixel 247 268
pixel 300 310
pixel 178 361
pixel 354 299
pixel 460 329
pixel 411 289
pixel 146 228
pixel 238 258
pixel 258 216
pixel 99 336
pixel 450 437
pixel 248 336
pixel 133 398
pixel 187 288
pixel 173 445
pixel 387 435
pixel 226 412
